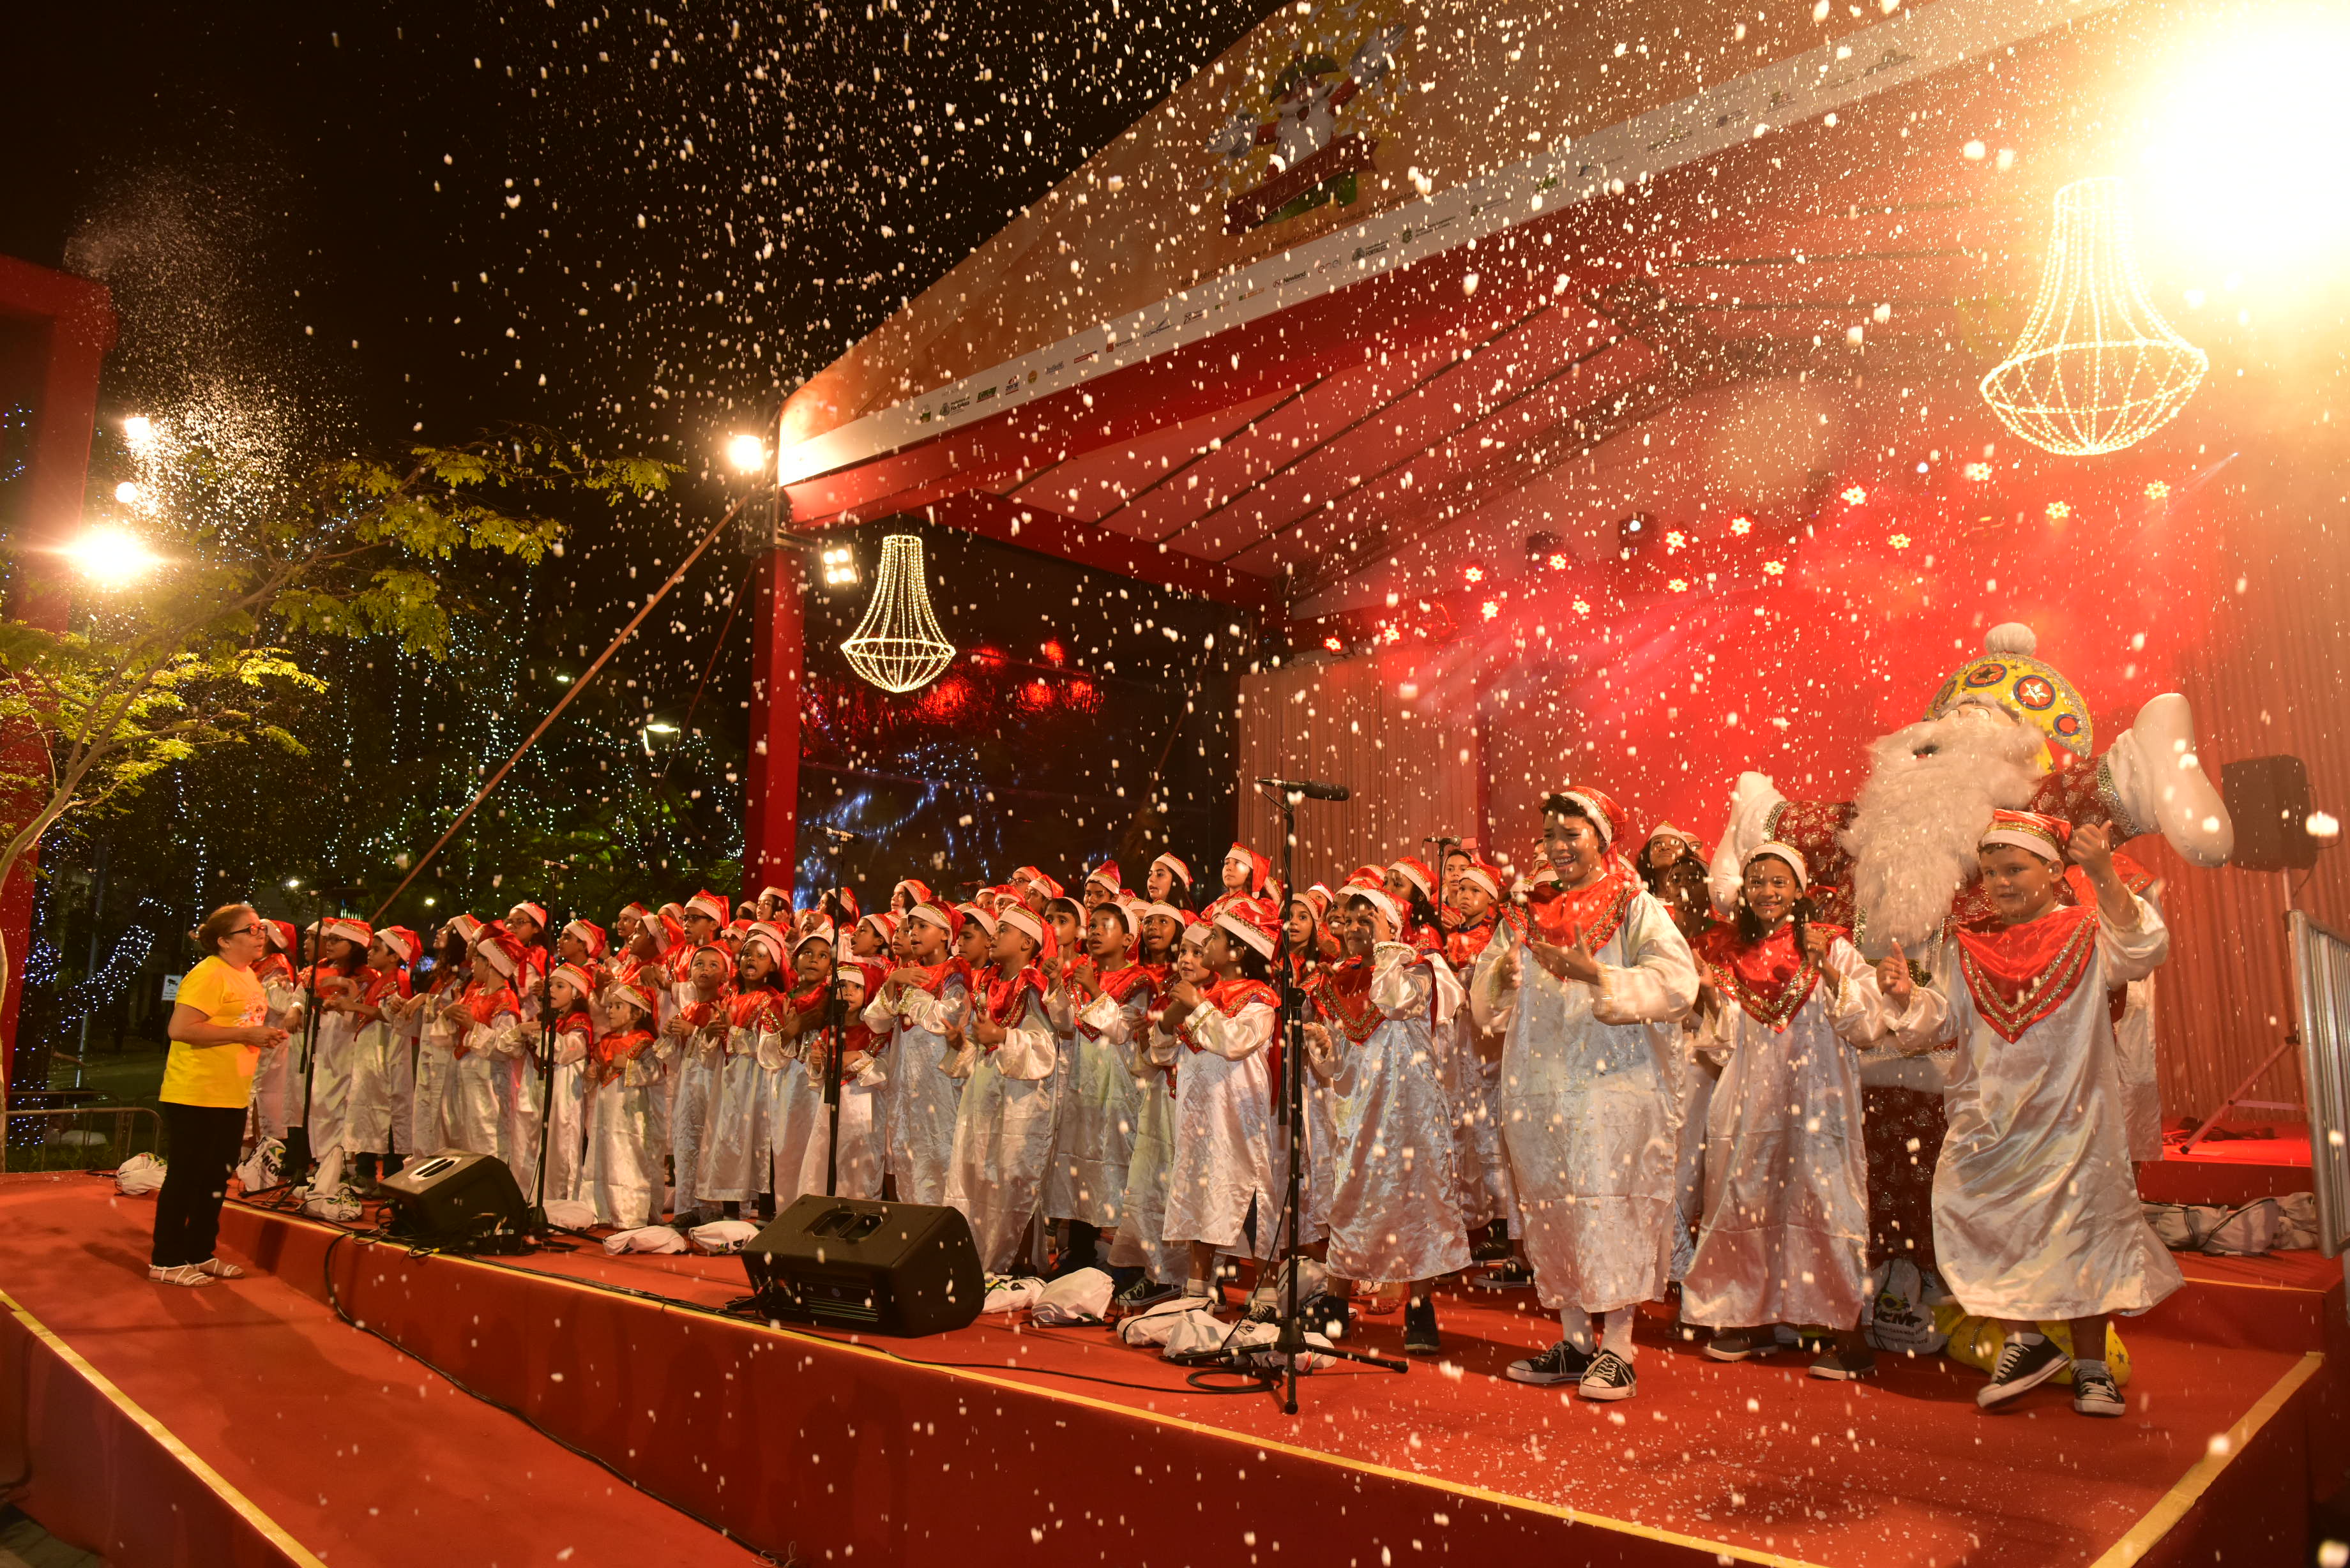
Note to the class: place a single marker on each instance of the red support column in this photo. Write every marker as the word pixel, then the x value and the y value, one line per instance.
pixel 778 648
pixel 60 379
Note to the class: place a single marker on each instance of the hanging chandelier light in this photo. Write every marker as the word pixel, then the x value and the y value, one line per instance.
pixel 898 646
pixel 2097 368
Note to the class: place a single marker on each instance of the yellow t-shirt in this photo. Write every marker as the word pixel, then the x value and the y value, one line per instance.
pixel 216 1074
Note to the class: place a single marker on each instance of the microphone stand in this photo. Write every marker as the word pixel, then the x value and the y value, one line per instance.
pixel 536 1223
pixel 834 1008
pixel 308 1156
pixel 1291 1343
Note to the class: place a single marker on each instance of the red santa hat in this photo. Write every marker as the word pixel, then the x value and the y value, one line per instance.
pixel 2046 837
pixel 1485 876
pixel 1195 932
pixel 884 923
pixel 626 910
pixel 946 919
pixel 674 910
pixel 1259 867
pixel 466 927
pixel 781 895
pixel 349 929
pixel 1182 917
pixel 709 904
pixel 1598 806
pixel 591 937
pixel 1130 912
pixel 281 934
pixel 1788 853
pixel 773 938
pixel 982 914
pixel 505 953
pixel 1318 895
pixel 1680 835
pixel 631 992
pixel 1414 870
pixel 1020 917
pixel 848 896
pixel 665 929
pixel 1253 921
pixel 537 913
pixel 916 892
pixel 820 932
pixel 1108 875
pixel 869 973
pixel 404 944
pixel 1364 877
pixel 578 979
pixel 1175 867
pixel 1380 899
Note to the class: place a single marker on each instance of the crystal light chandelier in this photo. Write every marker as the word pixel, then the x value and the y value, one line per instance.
pixel 2097 368
pixel 898 646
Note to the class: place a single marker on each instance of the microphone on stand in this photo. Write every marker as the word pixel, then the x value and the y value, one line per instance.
pixel 1308 788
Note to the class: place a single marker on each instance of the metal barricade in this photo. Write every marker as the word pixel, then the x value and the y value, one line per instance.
pixel 78 1137
pixel 2321 983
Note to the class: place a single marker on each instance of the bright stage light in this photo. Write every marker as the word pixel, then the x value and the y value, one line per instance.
pixel 747 452
pixel 839 563
pixel 138 433
pixel 111 557
pixel 2243 168
pixel 126 494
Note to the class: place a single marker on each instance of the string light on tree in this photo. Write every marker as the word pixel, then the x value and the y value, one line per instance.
pixel 899 645
pixel 2097 368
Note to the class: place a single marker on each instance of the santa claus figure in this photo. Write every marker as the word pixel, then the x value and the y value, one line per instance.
pixel 2005 732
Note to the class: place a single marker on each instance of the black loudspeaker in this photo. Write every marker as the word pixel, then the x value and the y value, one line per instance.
pixel 457 1200
pixel 883 1268
pixel 2268 800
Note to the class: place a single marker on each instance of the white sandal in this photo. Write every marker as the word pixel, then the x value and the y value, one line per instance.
pixel 221 1269
pixel 183 1274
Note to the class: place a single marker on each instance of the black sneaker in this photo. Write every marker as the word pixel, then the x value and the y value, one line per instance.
pixel 1420 1335
pixel 1844 1365
pixel 1561 1362
pixel 1513 1274
pixel 1495 1247
pixel 1328 1315
pixel 1143 1295
pixel 2095 1392
pixel 1609 1376
pixel 1742 1343
pixel 2020 1366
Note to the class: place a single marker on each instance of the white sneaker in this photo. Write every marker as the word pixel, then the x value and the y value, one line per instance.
pixel 184 1274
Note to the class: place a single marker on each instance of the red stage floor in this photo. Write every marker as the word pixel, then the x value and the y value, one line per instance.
pixel 808 1441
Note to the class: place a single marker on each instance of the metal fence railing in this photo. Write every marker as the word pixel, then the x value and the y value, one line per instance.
pixel 2321 983
pixel 78 1137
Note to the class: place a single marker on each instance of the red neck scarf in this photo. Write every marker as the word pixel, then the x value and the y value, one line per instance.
pixel 617 1049
pixel 697 1010
pixel 1461 947
pixel 1117 985
pixel 577 1022
pixel 2020 974
pixel 1343 993
pixel 485 1004
pixel 272 963
pixel 1770 979
pixel 1596 911
pixel 1007 1000
pixel 934 977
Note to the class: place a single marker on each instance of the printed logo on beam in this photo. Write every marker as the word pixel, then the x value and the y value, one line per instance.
pixel 1306 117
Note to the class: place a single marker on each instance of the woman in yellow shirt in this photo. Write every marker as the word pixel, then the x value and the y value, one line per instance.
pixel 217 1038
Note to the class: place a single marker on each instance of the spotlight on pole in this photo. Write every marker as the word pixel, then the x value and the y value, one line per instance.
pixel 111 557
pixel 747 452
pixel 839 563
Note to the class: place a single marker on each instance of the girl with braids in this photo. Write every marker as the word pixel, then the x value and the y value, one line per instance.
pixel 1787 1004
pixel 1003 1125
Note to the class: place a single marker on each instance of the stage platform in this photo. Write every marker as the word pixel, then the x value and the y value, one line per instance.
pixel 1007 1443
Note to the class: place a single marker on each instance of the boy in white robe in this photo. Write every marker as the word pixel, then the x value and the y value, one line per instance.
pixel 1590 1092
pixel 2036 1215
pixel 1004 1121
pixel 1393 1208
pixel 1108 996
pixel 1142 1241
pixel 623 1167
pixel 915 1007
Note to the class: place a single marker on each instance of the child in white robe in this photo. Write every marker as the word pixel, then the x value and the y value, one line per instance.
pixel 484 1021
pixel 1004 1122
pixel 573 1027
pixel 1141 1242
pixel 736 1158
pixel 273 1074
pixel 623 1073
pixel 694 1037
pixel 915 1007
pixel 2037 1214
pixel 1222 1191
pixel 1393 1207
pixel 1590 1094
pixel 804 1127
pixel 1784 1234
pixel 1109 995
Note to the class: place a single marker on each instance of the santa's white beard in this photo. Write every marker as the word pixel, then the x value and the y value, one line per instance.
pixel 1918 819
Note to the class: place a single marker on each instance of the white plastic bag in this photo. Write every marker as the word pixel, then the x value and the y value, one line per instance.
pixel 139 1176
pixel 1903 1317
pixel 647 1238
pixel 570 1213
pixel 264 1167
pixel 1010 1294
pixel 1153 1324
pixel 723 1235
pixel 1081 1295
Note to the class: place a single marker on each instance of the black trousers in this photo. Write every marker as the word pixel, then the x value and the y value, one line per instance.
pixel 204 1142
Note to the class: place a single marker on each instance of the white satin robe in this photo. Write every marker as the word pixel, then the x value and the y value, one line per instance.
pixel 1784 1237
pixel 697 1067
pixel 1003 1133
pixel 1589 1101
pixel 1142 1207
pixel 1227 1160
pixel 566 1134
pixel 624 1155
pixel 472 1101
pixel 803 1124
pixel 1099 1112
pixel 1393 1201
pixel 2036 1215
pixel 920 1100
pixel 274 1077
pixel 736 1147
pixel 1480 1080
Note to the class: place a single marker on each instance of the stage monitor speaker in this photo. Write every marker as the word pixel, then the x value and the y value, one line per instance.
pixel 852 1262
pixel 2268 799
pixel 456 1200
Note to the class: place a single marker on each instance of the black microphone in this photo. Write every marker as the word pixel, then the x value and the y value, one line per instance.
pixel 842 834
pixel 1308 788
